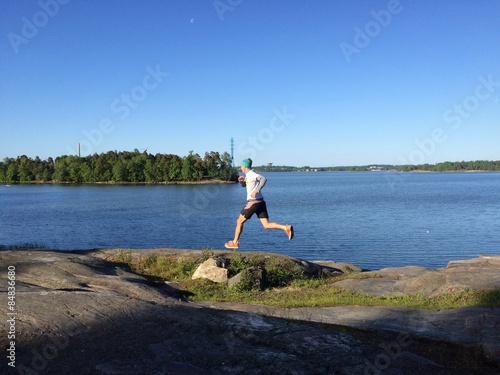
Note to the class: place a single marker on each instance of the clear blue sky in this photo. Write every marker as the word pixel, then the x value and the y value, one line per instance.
pixel 314 83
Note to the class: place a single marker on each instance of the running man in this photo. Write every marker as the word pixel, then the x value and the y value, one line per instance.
pixel 254 183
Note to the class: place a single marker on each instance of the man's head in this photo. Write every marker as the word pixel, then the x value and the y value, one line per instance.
pixel 247 164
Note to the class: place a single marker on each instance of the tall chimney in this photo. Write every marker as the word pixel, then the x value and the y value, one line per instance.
pixel 78 149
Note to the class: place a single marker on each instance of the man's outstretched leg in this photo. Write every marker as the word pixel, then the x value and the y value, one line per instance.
pixel 268 225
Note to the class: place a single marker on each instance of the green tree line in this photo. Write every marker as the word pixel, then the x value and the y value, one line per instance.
pixel 115 166
pixel 447 166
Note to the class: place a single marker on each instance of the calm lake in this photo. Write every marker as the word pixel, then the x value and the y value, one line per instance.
pixel 371 219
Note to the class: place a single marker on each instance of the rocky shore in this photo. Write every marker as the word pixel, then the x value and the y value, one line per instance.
pixel 78 313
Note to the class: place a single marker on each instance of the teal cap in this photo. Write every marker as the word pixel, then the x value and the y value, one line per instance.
pixel 247 163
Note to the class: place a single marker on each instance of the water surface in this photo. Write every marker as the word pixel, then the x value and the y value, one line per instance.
pixel 373 219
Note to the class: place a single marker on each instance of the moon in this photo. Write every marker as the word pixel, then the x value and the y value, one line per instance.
pixel 192 20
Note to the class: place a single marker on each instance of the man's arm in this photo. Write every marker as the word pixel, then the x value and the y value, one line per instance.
pixel 261 181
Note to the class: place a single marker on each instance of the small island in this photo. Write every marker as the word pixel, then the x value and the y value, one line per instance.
pixel 120 167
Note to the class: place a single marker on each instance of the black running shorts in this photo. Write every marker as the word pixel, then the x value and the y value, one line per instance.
pixel 255 207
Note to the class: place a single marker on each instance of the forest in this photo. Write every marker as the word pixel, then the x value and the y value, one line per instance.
pixel 119 167
pixel 447 166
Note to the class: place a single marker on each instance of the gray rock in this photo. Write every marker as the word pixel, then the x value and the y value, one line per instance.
pixel 474 327
pixel 325 268
pixel 235 280
pixel 478 274
pixel 211 271
pixel 250 278
pixel 338 266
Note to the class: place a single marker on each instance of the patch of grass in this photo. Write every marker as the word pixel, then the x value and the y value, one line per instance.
pixel 490 298
pixel 287 284
pixel 281 273
pixel 238 263
pixel 321 293
pixel 123 257
pixel 158 266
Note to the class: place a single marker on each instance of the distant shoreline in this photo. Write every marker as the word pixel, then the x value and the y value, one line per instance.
pixel 390 171
pixel 464 171
pixel 216 181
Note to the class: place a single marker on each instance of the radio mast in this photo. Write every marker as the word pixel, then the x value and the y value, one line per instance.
pixel 232 151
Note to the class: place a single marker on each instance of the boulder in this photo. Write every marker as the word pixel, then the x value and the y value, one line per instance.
pixel 250 278
pixel 209 270
pixel 235 280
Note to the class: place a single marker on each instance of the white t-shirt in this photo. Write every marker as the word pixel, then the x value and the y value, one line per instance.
pixel 254 182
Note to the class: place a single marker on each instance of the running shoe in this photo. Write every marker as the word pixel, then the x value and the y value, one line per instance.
pixel 231 245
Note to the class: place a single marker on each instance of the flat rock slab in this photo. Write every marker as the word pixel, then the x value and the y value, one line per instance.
pixel 478 274
pixel 469 326
pixel 79 314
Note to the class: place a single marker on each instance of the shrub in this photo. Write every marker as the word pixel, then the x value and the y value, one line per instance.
pixel 282 273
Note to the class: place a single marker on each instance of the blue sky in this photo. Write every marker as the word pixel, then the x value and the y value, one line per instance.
pixel 315 83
